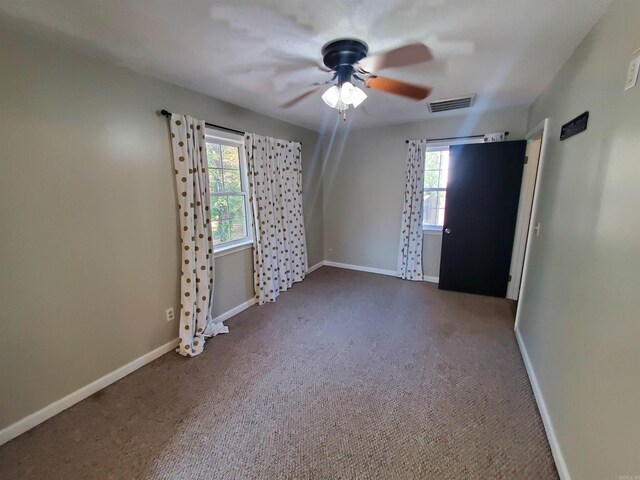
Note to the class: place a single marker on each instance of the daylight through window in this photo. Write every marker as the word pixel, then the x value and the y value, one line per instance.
pixel 436 170
pixel 228 190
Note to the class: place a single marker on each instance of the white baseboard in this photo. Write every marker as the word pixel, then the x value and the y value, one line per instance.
pixel 360 268
pixel 58 406
pixel 561 465
pixel 315 267
pixel 235 310
pixel 36 418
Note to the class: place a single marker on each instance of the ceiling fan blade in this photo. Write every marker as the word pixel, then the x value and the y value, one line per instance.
pixel 299 98
pixel 398 57
pixel 396 87
pixel 297 60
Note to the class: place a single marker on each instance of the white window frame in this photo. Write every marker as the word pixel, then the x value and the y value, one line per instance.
pixel 234 140
pixel 438 145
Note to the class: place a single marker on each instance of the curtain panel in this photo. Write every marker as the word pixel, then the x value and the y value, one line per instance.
pixel 197 268
pixel 410 251
pixel 495 137
pixel 275 188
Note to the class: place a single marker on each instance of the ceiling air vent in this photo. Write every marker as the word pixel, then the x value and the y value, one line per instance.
pixel 451 104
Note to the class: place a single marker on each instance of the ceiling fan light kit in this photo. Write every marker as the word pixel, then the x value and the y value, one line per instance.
pixel 341 97
pixel 340 56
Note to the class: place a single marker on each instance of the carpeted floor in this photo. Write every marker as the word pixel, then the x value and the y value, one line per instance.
pixel 348 375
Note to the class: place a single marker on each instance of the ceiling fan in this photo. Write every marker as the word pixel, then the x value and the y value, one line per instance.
pixel 348 61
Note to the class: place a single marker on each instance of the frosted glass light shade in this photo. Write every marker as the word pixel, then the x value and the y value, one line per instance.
pixel 342 97
pixel 357 97
pixel 332 96
pixel 345 92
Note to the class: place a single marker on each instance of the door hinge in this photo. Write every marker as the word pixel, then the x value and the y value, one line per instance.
pixel 509 278
pixel 526 159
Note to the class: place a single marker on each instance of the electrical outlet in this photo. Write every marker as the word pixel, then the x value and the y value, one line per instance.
pixel 170 315
pixel 331 251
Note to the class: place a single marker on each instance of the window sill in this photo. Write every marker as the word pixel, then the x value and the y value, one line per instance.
pixel 233 248
pixel 429 230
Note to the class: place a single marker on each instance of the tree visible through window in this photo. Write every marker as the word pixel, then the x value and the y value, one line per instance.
pixel 228 193
pixel 436 170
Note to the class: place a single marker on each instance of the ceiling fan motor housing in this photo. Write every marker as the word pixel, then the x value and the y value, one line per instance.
pixel 341 55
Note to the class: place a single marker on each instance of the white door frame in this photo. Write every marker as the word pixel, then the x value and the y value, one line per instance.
pixel 523 224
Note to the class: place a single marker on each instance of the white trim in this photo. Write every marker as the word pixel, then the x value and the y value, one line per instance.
pixel 360 268
pixel 525 208
pixel 561 464
pixel 534 214
pixel 315 267
pixel 440 144
pixel 30 421
pixel 234 311
pixel 235 138
pixel 539 128
pixel 36 418
pixel 232 247
pixel 432 230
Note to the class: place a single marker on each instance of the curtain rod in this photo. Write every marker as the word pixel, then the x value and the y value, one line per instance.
pixel 167 114
pixel 455 138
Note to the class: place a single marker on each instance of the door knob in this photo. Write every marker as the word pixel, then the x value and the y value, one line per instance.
pixel 447 230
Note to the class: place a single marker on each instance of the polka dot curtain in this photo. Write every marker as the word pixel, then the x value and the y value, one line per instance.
pixel 275 184
pixel 495 137
pixel 410 252
pixel 196 280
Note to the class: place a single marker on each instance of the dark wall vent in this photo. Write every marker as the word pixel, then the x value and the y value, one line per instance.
pixel 451 104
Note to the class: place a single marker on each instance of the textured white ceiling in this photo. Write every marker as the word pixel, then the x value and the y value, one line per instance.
pixel 260 53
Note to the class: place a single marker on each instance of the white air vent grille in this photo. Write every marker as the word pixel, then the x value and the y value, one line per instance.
pixel 451 104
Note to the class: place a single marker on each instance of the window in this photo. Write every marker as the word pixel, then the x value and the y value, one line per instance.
pixel 436 170
pixel 228 187
pixel 436 173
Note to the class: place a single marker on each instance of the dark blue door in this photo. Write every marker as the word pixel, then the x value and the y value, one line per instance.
pixel 483 191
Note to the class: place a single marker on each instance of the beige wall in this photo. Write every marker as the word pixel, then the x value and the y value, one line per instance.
pixel 580 306
pixel 364 185
pixel 89 243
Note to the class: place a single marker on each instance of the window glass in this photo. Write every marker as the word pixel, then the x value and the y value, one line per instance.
pixel 436 171
pixel 229 202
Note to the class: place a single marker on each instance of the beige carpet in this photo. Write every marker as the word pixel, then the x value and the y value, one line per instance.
pixel 348 375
